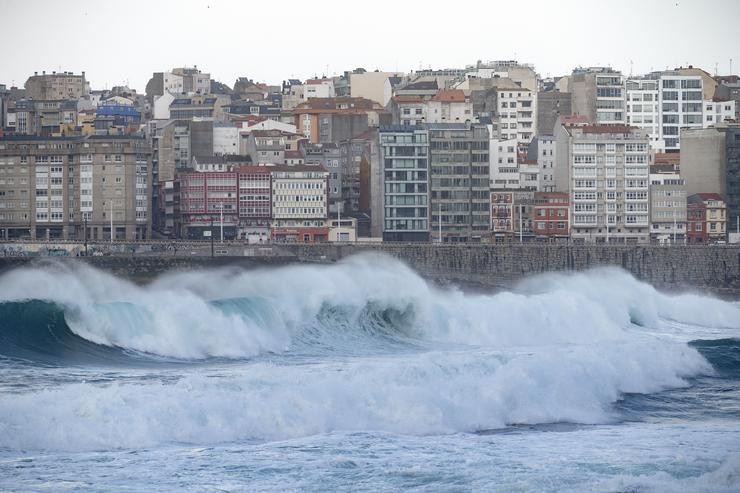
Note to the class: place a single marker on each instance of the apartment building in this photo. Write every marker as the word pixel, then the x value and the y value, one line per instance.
pixel 324 120
pixel 667 208
pixel 459 169
pixel 706 218
pixel 681 106
pixel 605 170
pixel 55 86
pixel 299 203
pixel 598 94
pixel 644 109
pixel 208 204
pixel 551 221
pixel 404 154
pixel 95 188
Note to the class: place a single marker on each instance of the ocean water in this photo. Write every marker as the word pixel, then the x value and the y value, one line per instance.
pixel 360 376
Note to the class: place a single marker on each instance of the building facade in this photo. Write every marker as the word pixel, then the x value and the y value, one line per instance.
pixel 706 218
pixel 459 182
pixel 404 154
pixel 605 170
pixel 667 208
pixel 94 188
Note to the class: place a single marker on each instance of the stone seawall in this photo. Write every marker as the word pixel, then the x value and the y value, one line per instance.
pixel 701 268
pixel 710 268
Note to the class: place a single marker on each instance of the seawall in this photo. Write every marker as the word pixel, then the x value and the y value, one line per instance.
pixel 713 269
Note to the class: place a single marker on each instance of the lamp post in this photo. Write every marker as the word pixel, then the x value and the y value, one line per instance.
pixel 211 233
pixel 84 215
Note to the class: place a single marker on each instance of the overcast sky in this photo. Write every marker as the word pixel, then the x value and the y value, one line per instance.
pixel 124 42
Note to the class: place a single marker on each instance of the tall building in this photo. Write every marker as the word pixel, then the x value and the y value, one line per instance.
pixel 75 188
pixel 404 154
pixel 605 170
pixel 598 94
pixel 299 203
pixel 667 208
pixel 643 109
pixel 732 168
pixel 550 106
pixel 55 86
pixel 459 168
pixel 680 105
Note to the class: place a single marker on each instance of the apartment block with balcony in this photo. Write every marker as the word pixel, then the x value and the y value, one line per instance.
pixel 75 188
pixel 667 208
pixel 681 106
pixel 404 154
pixel 643 109
pixel 299 203
pixel 706 217
pixel 605 170
pixel 459 182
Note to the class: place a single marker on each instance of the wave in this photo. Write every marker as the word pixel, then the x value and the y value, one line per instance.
pixel 363 302
pixel 418 394
pixel 365 344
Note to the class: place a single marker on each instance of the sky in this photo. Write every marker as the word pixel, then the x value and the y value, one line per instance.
pixel 123 43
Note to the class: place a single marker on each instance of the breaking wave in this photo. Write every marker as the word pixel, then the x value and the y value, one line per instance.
pixel 365 344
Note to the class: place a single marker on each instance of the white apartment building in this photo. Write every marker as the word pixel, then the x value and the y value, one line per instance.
pixel 681 106
pixel 517 114
pixel 605 170
pixel 643 109
pixel 546 159
pixel 504 168
pixel 718 112
pixel 225 139
pixel 299 196
pixel 319 88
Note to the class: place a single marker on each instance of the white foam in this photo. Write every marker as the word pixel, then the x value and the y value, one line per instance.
pixel 418 394
pixel 174 316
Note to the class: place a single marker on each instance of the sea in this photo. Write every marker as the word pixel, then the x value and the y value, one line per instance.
pixel 362 376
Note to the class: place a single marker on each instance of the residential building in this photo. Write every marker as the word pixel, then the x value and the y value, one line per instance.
pixel 504 164
pixel 706 218
pixel 512 213
pixel 319 88
pixel 375 86
pixel 255 203
pixel 208 204
pixel 299 204
pixel 56 86
pixel 681 106
pixel 605 170
pixel 551 105
pixel 325 120
pixel 544 150
pixel 75 188
pixel 266 146
pixel 516 113
pixel 728 88
pixel 732 176
pixel 404 154
pixel 449 106
pixel 551 221
pixel 459 168
pixel 644 109
pixel 667 208
pixel 718 111
pixel 225 139
pixel 327 156
pixel 598 94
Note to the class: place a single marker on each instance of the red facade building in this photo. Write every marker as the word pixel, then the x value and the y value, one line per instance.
pixel 706 218
pixel 551 215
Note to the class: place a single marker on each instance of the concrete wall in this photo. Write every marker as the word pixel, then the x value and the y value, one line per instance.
pixel 703 160
pixel 710 269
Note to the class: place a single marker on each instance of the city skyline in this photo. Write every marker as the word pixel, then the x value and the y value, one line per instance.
pixel 303 43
